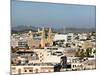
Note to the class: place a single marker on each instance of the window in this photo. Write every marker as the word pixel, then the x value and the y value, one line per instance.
pixel 13 69
pixel 30 70
pixel 25 70
pixel 73 65
pixel 40 60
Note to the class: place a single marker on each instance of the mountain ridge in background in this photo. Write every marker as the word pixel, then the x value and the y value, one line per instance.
pixel 60 30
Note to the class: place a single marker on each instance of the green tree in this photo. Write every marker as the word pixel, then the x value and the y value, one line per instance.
pixel 94 51
pixel 13 50
pixel 82 54
pixel 26 46
pixel 77 53
pixel 88 52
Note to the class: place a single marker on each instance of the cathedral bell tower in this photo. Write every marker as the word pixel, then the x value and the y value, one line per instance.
pixel 43 38
pixel 49 39
pixel 30 39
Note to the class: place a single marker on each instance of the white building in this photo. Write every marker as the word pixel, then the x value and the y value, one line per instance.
pixel 82 36
pixel 31 69
pixel 89 64
pixel 60 37
pixel 63 39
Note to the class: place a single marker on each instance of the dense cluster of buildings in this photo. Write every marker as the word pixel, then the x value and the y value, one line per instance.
pixel 47 51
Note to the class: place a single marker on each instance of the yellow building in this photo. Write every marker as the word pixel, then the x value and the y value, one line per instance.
pixel 87 44
pixel 42 41
pixel 50 39
pixel 46 41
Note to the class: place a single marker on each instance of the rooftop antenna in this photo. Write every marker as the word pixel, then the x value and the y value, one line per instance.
pixel 64 29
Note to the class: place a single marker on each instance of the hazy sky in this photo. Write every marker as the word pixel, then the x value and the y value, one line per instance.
pixel 52 15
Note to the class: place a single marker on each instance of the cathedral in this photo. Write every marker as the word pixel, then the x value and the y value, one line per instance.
pixel 41 38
